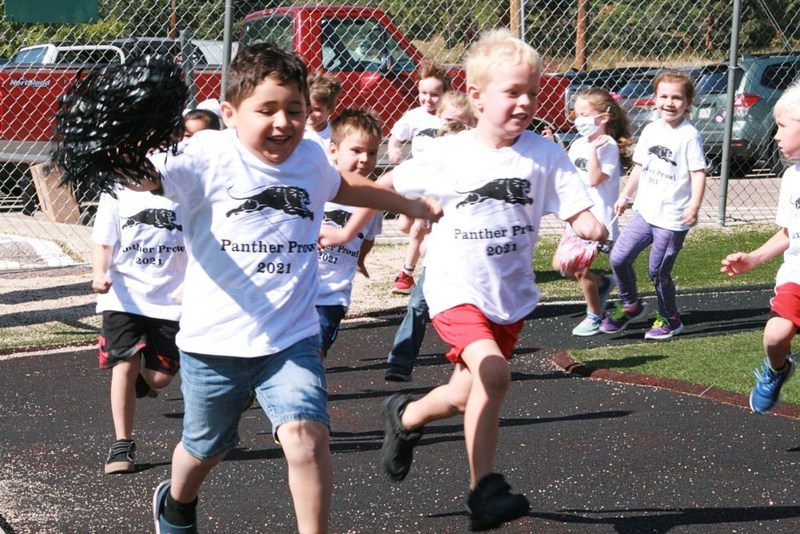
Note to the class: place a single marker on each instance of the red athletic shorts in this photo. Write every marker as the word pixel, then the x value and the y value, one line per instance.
pixel 465 324
pixel 786 302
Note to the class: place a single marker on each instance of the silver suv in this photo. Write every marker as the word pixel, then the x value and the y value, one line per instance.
pixel 760 81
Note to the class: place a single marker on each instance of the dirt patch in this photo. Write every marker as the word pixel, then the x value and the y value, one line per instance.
pixel 35 300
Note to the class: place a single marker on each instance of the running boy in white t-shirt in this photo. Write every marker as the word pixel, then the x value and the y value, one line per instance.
pixel 494 182
pixel 355 139
pixel 782 326
pixel 252 198
pixel 418 125
pixel 138 265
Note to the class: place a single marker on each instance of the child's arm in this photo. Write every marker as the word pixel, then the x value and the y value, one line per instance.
pixel 594 170
pixel 626 195
pixel 395 150
pixel 586 226
pixel 101 262
pixel 355 190
pixel 330 236
pixel 698 191
pixel 366 246
pixel 741 262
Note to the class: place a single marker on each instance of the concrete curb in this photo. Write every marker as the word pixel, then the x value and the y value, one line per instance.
pixel 565 361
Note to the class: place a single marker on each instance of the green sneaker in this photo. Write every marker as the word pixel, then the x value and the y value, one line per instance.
pixel 587 327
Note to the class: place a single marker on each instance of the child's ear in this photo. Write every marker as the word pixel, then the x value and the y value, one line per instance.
pixel 228 114
pixel 332 149
pixel 474 94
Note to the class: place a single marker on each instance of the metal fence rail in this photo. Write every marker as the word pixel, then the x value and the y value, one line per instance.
pixel 616 45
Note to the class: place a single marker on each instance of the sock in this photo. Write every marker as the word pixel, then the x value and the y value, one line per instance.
pixel 180 514
pixel 783 369
pixel 408 270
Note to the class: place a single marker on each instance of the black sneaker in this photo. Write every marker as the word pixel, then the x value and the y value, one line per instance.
pixel 396 373
pixel 491 503
pixel 398 443
pixel 143 389
pixel 120 457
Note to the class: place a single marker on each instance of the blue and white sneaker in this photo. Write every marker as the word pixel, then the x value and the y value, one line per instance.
pixel 768 386
pixel 162 525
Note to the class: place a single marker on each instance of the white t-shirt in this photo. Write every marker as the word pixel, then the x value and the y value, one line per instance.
pixel 481 250
pixel 338 265
pixel 251 230
pixel 788 216
pixel 419 126
pixel 667 155
pixel 605 193
pixel 149 258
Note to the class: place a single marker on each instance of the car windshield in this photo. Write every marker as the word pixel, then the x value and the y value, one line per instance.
pixel 30 56
pixel 636 88
pixel 713 81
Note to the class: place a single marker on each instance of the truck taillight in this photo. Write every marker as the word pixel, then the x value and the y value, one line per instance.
pixel 648 102
pixel 745 101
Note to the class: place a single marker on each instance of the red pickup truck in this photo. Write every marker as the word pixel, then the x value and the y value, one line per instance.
pixel 376 63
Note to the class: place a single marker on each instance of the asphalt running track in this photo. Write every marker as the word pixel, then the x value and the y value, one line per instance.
pixel 591 455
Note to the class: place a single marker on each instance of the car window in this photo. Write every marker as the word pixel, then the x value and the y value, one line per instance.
pixel 779 76
pixel 361 45
pixel 30 56
pixel 273 29
pixel 636 88
pixel 712 82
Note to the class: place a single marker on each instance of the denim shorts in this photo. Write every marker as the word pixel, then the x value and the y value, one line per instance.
pixel 330 317
pixel 290 386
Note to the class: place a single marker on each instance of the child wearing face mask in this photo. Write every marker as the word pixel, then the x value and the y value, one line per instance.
pixel 598 154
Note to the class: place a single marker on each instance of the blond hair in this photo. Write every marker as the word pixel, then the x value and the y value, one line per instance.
pixel 457 100
pixel 789 102
pixel 618 126
pixel 498 47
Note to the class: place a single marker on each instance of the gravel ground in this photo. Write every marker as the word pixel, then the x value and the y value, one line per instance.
pixel 31 300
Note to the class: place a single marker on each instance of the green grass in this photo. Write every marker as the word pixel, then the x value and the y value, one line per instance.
pixel 720 361
pixel 697 265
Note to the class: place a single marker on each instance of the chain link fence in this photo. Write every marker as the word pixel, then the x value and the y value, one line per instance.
pixel 616 45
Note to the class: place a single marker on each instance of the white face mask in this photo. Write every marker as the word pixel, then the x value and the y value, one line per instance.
pixel 586 125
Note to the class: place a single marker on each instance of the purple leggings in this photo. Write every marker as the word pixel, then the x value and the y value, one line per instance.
pixel 636 236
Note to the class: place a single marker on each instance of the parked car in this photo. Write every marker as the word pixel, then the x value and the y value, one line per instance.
pixel 759 82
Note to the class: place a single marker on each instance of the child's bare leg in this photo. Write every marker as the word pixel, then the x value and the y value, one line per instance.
pixel 415 237
pixel 188 474
pixel 404 223
pixel 306 447
pixel 491 378
pixel 123 396
pixel 441 402
pixel 588 282
pixel 156 379
pixel 778 335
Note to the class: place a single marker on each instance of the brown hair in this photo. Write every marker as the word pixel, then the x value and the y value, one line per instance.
pixel 677 76
pixel 428 68
pixel 617 126
pixel 356 121
pixel 253 64
pixel 324 89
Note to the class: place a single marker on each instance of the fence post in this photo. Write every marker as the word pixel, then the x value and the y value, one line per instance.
pixel 726 142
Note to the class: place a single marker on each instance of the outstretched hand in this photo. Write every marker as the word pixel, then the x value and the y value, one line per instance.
pixel 737 263
pixel 427 208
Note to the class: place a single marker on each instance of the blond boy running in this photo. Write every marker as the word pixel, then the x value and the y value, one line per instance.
pixel 494 183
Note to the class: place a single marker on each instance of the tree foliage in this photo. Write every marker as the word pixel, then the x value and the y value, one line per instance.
pixel 632 28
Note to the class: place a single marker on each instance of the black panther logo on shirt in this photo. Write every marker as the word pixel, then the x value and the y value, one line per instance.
pixel 508 190
pixel 156 217
pixel 796 203
pixel 581 164
pixel 337 217
pixel 427 132
pixel 662 152
pixel 289 199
